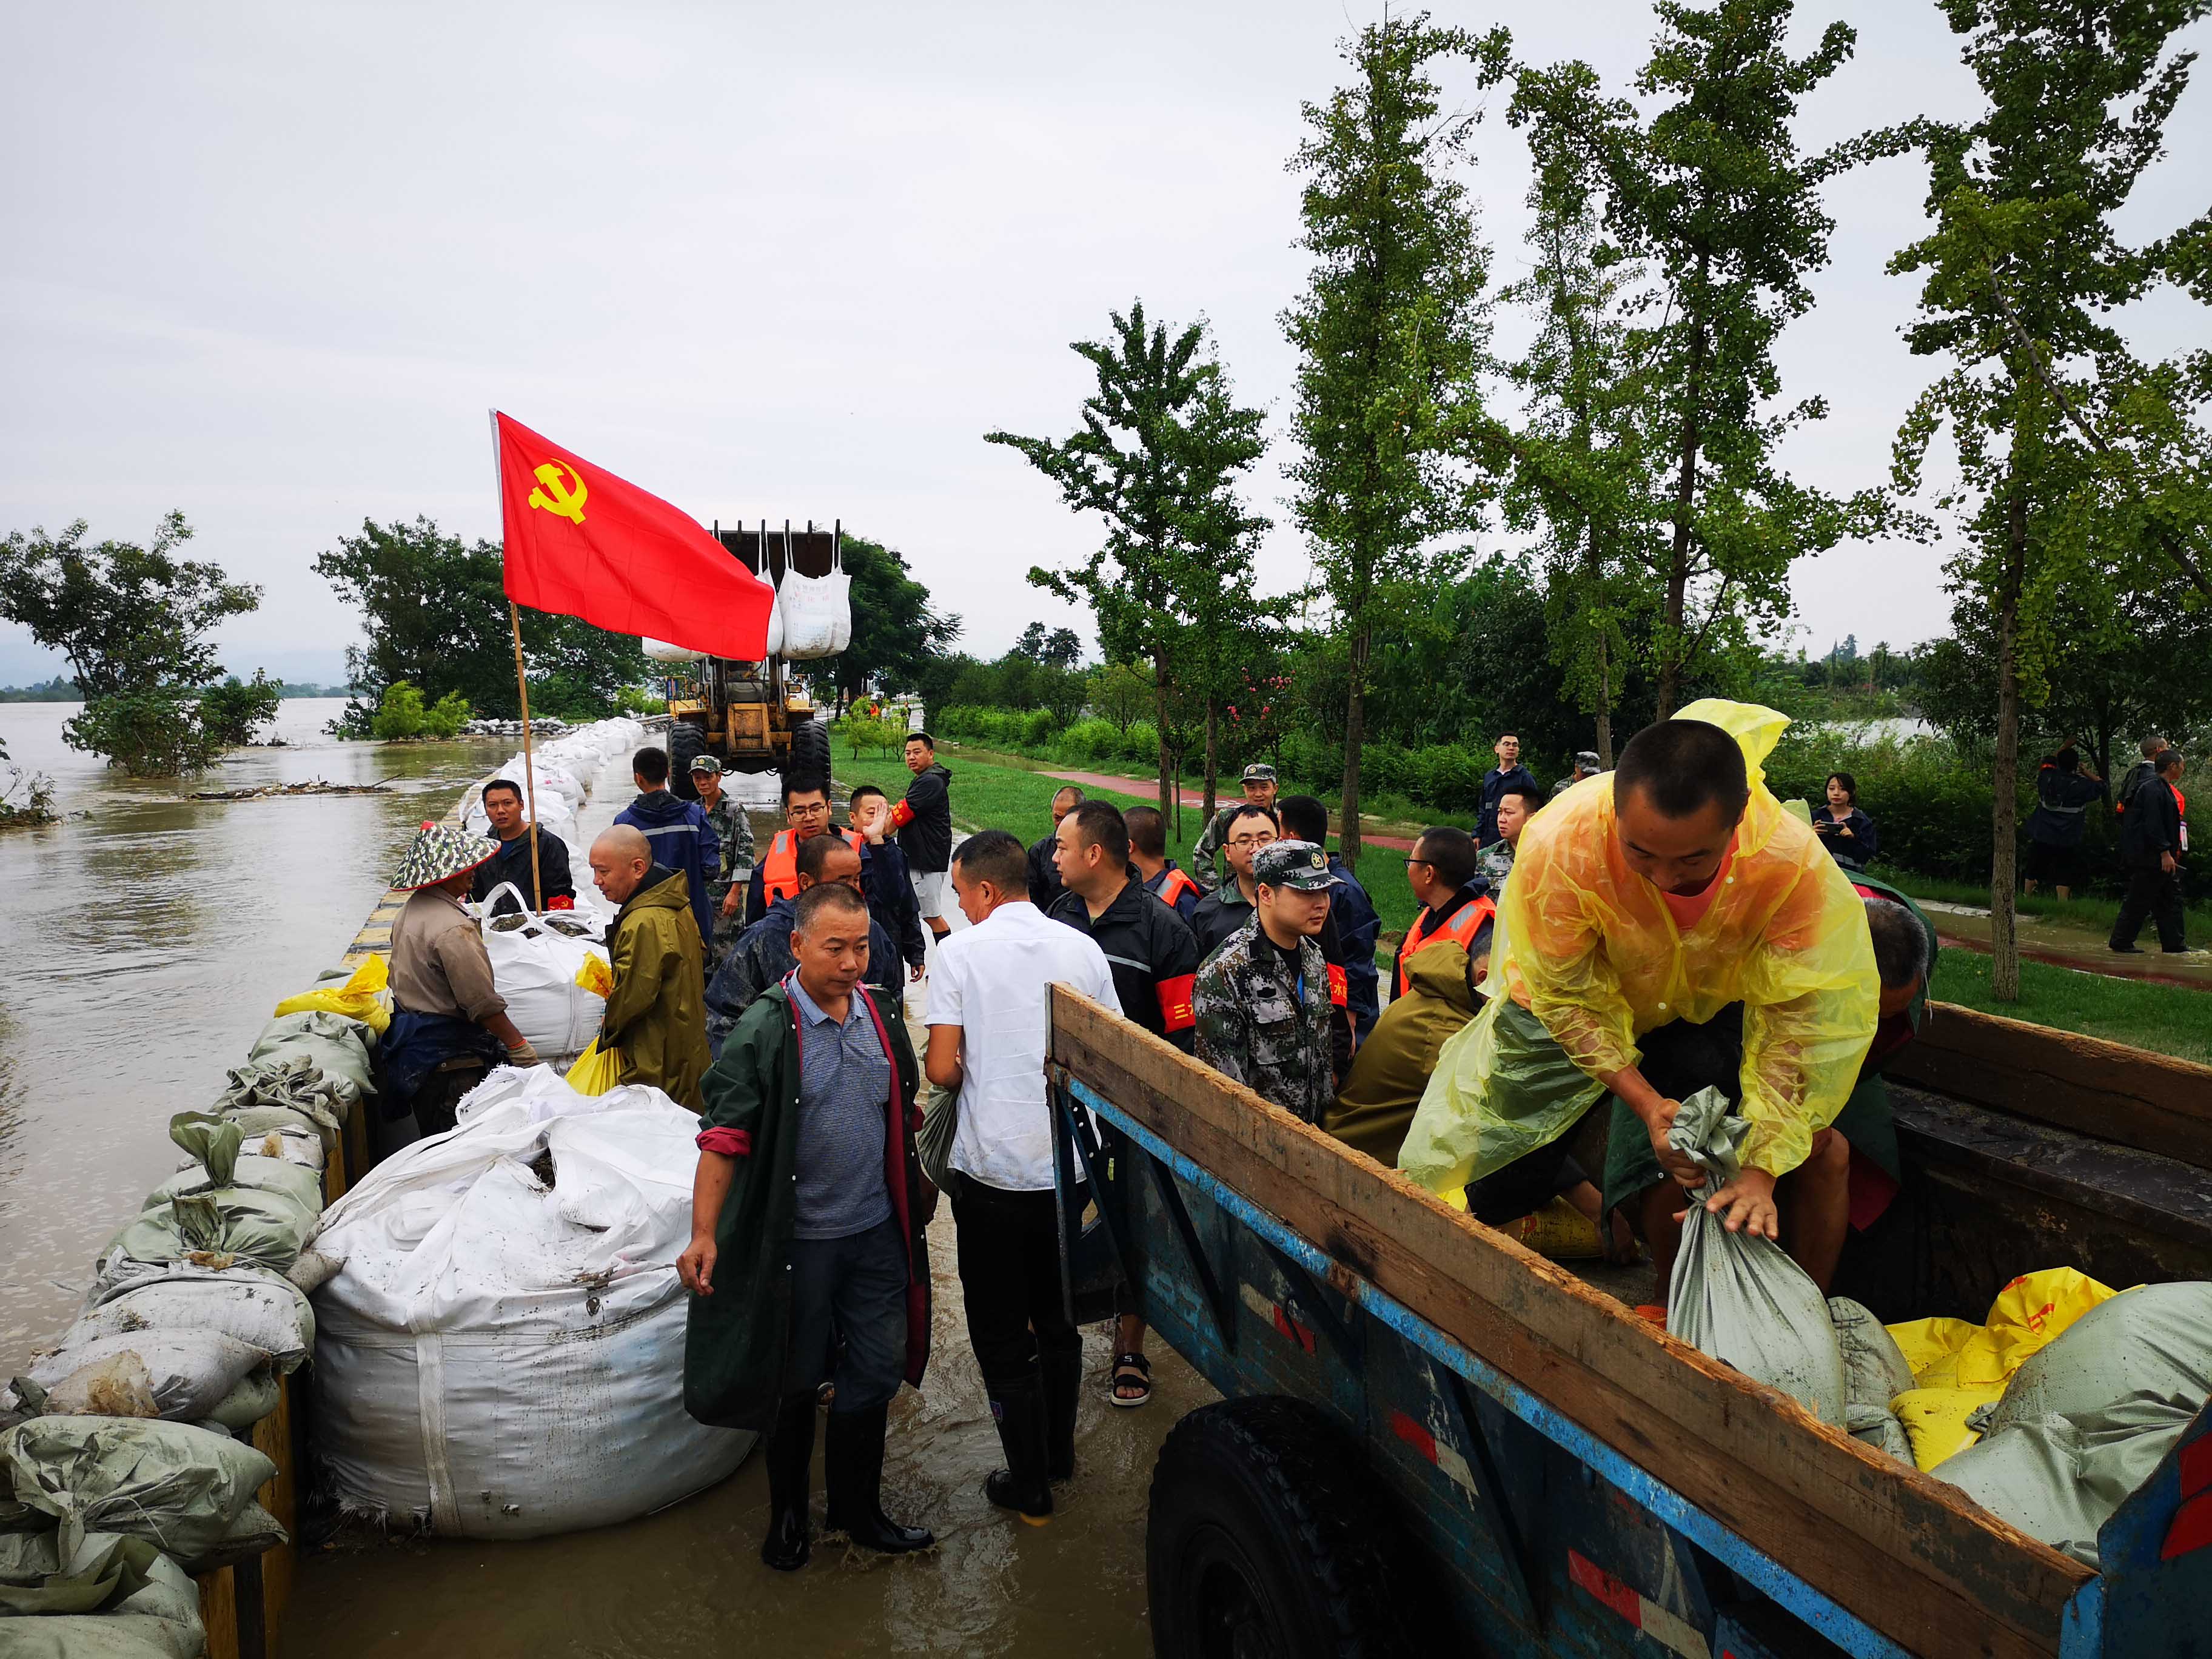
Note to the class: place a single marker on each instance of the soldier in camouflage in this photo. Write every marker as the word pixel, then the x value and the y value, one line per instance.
pixel 733 829
pixel 1264 1001
pixel 1260 788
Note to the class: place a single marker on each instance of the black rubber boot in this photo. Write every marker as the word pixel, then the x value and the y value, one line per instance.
pixel 790 1454
pixel 1017 1403
pixel 853 1468
pixel 1063 1388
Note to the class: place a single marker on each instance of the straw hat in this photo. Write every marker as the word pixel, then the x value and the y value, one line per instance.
pixel 439 852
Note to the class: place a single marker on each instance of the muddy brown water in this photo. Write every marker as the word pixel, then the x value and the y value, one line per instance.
pixel 145 943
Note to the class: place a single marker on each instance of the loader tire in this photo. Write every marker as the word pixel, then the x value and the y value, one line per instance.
pixel 809 765
pixel 686 743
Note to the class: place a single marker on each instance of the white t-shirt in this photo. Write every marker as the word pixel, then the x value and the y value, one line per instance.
pixel 990 981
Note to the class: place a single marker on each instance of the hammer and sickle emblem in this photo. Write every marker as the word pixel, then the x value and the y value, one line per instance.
pixel 556 497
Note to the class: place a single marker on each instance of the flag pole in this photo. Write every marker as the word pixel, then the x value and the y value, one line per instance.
pixel 529 766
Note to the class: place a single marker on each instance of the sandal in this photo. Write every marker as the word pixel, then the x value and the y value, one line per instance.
pixel 1131 1371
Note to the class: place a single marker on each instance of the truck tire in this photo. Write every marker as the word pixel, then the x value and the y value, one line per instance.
pixel 809 765
pixel 686 743
pixel 1267 1538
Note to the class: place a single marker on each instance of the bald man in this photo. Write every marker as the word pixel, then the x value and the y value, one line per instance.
pixel 656 1019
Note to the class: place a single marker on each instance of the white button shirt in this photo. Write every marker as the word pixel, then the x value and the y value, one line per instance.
pixel 992 980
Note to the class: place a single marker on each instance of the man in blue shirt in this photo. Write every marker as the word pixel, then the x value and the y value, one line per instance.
pixel 1507 773
pixel 677 831
pixel 1305 819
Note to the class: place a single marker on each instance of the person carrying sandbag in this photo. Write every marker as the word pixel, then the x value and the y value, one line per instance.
pixel 451 1026
pixel 1662 892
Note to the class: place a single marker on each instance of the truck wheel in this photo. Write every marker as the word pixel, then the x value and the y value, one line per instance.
pixel 686 743
pixel 1268 1539
pixel 809 765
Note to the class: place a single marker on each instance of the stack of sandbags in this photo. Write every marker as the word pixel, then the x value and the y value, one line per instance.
pixel 554 982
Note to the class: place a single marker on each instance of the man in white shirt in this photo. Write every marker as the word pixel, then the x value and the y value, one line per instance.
pixel 988 1008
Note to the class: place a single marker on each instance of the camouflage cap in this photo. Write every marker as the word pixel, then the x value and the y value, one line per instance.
pixel 706 763
pixel 1295 864
pixel 1259 772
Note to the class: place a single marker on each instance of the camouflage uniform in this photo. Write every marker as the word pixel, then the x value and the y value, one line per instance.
pixel 1494 863
pixel 1205 857
pixel 1261 1022
pixel 733 829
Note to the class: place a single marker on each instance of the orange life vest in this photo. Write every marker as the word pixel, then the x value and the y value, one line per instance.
pixel 1460 928
pixel 1173 883
pixel 780 869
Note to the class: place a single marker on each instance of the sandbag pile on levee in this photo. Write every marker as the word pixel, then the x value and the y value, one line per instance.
pixel 564 771
pixel 501 1353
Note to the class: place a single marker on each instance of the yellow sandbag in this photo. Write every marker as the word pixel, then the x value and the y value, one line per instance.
pixel 1936 1420
pixel 1560 1231
pixel 359 998
pixel 1927 1343
pixel 596 976
pixel 595 1072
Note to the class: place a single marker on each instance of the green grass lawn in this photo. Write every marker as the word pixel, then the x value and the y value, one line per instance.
pixel 2166 1020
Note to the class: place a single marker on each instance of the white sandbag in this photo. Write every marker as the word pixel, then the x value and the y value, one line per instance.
pixel 264 1310
pixel 534 966
pixel 817 614
pixel 177 1373
pixel 776 629
pixel 188 1492
pixel 500 1359
pixel 1741 1299
pixel 661 650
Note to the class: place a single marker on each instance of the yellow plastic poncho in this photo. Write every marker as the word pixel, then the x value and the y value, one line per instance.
pixel 1588 947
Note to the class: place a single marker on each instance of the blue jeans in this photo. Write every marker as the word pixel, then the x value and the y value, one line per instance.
pixel 853 1288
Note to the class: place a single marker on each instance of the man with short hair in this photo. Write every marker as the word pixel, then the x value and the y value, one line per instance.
pixel 1443 870
pixel 1162 877
pixel 1224 911
pixel 762 955
pixel 2063 789
pixel 808 1262
pixel 1262 1001
pixel 1260 786
pixel 923 819
pixel 884 879
pixel 655 1022
pixel 1352 914
pixel 1154 960
pixel 556 887
pixel 989 1014
pixel 1516 805
pixel 733 839
pixel 2153 839
pixel 2137 775
pixel 1044 867
pixel 805 815
pixel 1664 892
pixel 1508 771
pixel 676 830
pixel 1586 766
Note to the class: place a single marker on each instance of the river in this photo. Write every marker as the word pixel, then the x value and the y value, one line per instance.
pixel 145 939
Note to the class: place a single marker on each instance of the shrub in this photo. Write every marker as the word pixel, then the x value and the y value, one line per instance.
pixel 150 733
pixel 232 712
pixel 869 734
pixel 447 716
pixel 402 715
pixel 1090 743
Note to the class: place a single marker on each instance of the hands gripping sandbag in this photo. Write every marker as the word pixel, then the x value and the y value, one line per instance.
pixel 1740 1298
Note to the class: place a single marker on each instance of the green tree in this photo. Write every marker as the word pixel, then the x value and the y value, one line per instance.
pixel 1160 447
pixel 234 711
pixel 434 610
pixel 896 634
pixel 2078 468
pixel 1391 333
pixel 1121 693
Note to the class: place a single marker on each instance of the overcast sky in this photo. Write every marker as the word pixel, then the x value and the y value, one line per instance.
pixel 273 263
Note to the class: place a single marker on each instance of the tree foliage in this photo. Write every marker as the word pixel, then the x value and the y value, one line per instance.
pixel 434 610
pixel 402 714
pixel 234 710
pixel 896 633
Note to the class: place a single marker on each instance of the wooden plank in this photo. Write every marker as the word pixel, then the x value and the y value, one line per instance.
pixel 273 1438
pixel 2136 1098
pixel 1856 1525
pixel 219 1611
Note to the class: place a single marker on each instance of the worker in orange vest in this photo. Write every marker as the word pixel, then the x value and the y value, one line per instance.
pixel 1162 877
pixel 1455 904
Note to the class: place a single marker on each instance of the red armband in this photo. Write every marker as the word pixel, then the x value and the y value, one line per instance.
pixel 1336 986
pixel 1176 1012
pixel 730 1143
pixel 902 815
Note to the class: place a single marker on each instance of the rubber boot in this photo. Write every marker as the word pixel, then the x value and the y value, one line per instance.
pixel 1017 1403
pixel 853 1466
pixel 1063 1388
pixel 790 1455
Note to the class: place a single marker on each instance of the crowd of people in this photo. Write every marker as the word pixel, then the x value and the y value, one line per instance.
pixel 2153 837
pixel 1610 944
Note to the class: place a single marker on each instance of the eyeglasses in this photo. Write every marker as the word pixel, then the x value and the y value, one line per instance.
pixel 1251 841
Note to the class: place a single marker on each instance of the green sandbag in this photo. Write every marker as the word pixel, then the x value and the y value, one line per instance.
pixel 2059 1476
pixel 218 1227
pixel 2155 1340
pixel 104 1567
pixel 1875 1368
pixel 187 1491
pixel 260 1119
pixel 215 1142
pixel 1879 1427
pixel 295 1081
pixel 338 1045
pixel 113 1598
pixel 256 1396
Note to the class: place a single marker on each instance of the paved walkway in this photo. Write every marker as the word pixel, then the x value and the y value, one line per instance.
pixel 1139 788
pixel 1967 927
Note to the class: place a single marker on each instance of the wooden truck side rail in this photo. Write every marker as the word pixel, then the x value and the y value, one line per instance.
pixel 1910 1557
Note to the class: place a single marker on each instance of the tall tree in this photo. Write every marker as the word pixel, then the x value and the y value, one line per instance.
pixel 1392 333
pixel 1713 192
pixel 896 633
pixel 1157 456
pixel 2076 464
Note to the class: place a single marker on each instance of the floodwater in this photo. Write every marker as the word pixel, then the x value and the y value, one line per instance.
pixel 148 936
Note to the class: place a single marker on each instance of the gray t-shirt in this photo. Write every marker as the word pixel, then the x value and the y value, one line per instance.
pixel 844 1084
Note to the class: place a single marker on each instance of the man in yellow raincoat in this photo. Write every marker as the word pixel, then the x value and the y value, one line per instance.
pixel 1666 889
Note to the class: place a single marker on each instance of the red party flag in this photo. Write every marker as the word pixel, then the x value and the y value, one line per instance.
pixel 583 543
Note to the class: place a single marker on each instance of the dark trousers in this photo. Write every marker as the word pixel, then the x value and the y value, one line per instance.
pixel 1010 1279
pixel 2151 892
pixel 1526 1185
pixel 853 1288
pixel 441 1093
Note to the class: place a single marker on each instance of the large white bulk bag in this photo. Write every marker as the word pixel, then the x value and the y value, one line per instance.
pixel 534 966
pixel 817 613
pixel 661 650
pixel 500 1359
